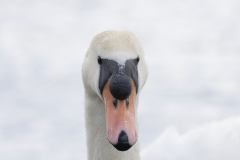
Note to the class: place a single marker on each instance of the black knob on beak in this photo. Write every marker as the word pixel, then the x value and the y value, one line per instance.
pixel 120 86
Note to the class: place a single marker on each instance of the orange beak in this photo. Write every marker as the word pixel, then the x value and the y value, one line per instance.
pixel 120 118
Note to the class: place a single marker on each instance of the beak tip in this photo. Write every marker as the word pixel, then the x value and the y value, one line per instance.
pixel 122 147
pixel 123 142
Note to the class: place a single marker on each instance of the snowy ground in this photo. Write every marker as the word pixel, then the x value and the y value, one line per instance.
pixel 189 108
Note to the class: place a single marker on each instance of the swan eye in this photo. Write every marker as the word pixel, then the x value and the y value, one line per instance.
pixel 99 60
pixel 138 59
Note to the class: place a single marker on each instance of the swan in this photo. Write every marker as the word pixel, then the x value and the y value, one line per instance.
pixel 114 71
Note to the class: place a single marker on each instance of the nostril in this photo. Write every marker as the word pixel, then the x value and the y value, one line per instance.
pixel 127 102
pixel 115 102
pixel 123 138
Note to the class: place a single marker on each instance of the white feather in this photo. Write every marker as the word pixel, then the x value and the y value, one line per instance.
pixel 118 45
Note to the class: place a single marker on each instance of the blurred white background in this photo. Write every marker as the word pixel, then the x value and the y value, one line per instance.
pixel 189 108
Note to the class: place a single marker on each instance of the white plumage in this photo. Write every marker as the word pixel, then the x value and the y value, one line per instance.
pixel 117 45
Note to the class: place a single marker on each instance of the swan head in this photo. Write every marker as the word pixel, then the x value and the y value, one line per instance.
pixel 115 70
